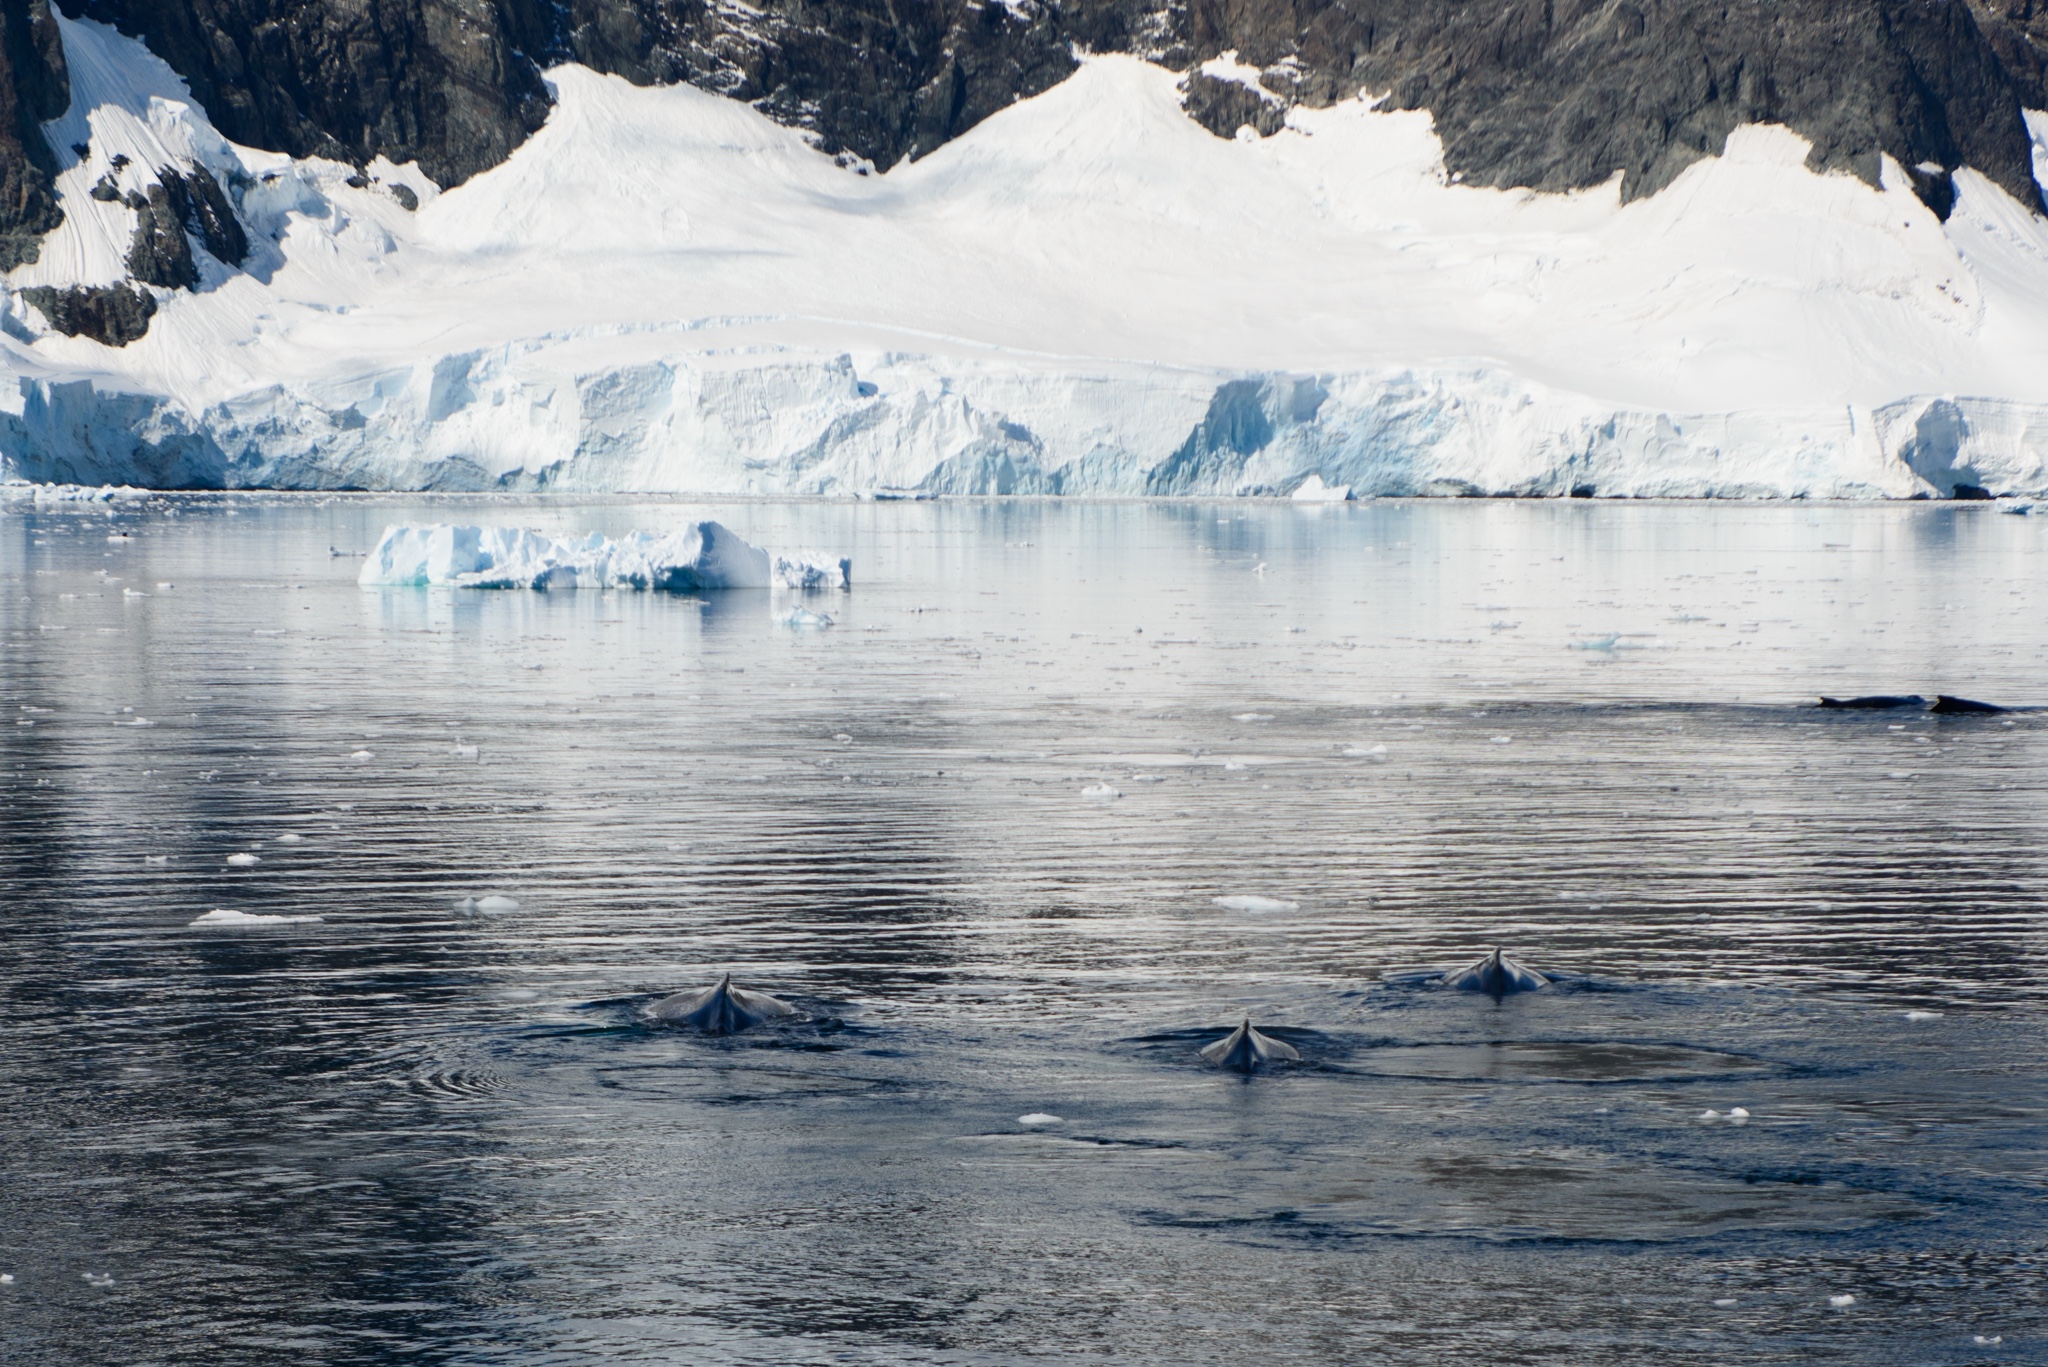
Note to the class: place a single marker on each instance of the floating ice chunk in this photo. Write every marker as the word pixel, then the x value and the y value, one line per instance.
pixel 1254 903
pixel 843 738
pixel 119 538
pixel 1725 1301
pixel 1376 753
pixel 362 754
pixel 1923 1015
pixel 1710 1115
pixel 465 751
pixel 809 571
pixel 1041 1118
pixel 156 859
pixel 1101 792
pixel 1503 740
pixel 1982 1340
pixel 1251 716
pixel 803 619
pixel 1606 642
pixel 1738 1116
pixel 248 918
pixel 243 861
pixel 290 838
pixel 1313 490
pixel 99 1278
pixel 494 904
pixel 1840 1301
pixel 701 556
pixel 7 1279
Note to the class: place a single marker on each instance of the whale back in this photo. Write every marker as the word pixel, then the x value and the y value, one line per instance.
pixel 720 1010
pixel 1245 1050
pixel 1497 976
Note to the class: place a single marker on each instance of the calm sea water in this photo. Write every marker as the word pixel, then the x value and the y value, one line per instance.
pixel 401 1133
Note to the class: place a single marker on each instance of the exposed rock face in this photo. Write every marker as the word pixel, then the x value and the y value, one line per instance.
pixel 160 253
pixel 1560 94
pixel 112 314
pixel 1223 106
pixel 34 85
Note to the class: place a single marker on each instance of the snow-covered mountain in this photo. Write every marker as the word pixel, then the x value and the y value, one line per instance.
pixel 1086 291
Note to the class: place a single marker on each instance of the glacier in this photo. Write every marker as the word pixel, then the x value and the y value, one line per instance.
pixel 698 557
pixel 1086 294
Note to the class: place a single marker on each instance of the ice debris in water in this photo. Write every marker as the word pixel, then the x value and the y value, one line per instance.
pixel 1376 753
pixel 73 493
pixel 1982 1340
pixel 1254 903
pixel 1313 490
pixel 1923 1015
pixel 1251 716
pixel 6 1279
pixel 697 557
pixel 1725 1301
pixel 243 861
pixel 462 751
pixel 1736 1116
pixel 495 904
pixel 1038 1118
pixel 99 1278
pixel 156 859
pixel 290 838
pixel 803 619
pixel 362 754
pixel 247 918
pixel 1841 1301
pixel 1100 792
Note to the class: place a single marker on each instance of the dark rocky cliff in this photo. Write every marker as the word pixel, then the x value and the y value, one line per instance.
pixel 1553 94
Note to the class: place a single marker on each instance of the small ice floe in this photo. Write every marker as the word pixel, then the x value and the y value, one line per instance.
pixel 1982 1340
pixel 1923 1015
pixel 811 572
pixel 1736 1116
pixel 1725 1301
pixel 2019 508
pixel 803 619
pixel 290 838
pixel 1101 792
pixel 360 755
pixel 249 918
pixel 1251 902
pixel 1606 642
pixel 243 861
pixel 6 1279
pixel 1503 740
pixel 164 586
pixel 462 751
pixel 1313 490
pixel 133 593
pixel 119 538
pixel 1251 716
pixel 99 1278
pixel 495 904
pixel 843 738
pixel 1376 753
pixel 156 859
pixel 1041 1118
pixel 1842 1301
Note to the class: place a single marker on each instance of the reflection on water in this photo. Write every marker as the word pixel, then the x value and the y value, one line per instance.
pixel 1389 736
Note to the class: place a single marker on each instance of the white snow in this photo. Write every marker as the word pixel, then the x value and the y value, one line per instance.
pixel 662 290
pixel 247 918
pixel 1313 490
pixel 699 556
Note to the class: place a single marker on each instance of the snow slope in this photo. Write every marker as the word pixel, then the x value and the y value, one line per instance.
pixel 664 291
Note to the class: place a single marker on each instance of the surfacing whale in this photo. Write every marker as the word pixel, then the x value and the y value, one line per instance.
pixel 720 1010
pixel 1245 1050
pixel 1876 702
pixel 1949 706
pixel 1497 976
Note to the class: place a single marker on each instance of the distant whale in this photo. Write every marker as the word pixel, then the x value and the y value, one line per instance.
pixel 1497 976
pixel 1946 705
pixel 720 1010
pixel 1876 702
pixel 1245 1050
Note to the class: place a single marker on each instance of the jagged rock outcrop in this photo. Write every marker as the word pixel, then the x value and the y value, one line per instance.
pixel 114 315
pixel 34 85
pixel 1224 106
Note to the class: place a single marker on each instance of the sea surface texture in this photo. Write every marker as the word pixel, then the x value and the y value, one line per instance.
pixel 331 919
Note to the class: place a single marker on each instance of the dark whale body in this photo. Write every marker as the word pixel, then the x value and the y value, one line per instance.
pixel 1497 976
pixel 720 1010
pixel 1876 702
pixel 1245 1050
pixel 1949 706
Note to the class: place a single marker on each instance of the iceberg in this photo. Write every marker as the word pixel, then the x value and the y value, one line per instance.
pixel 699 557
